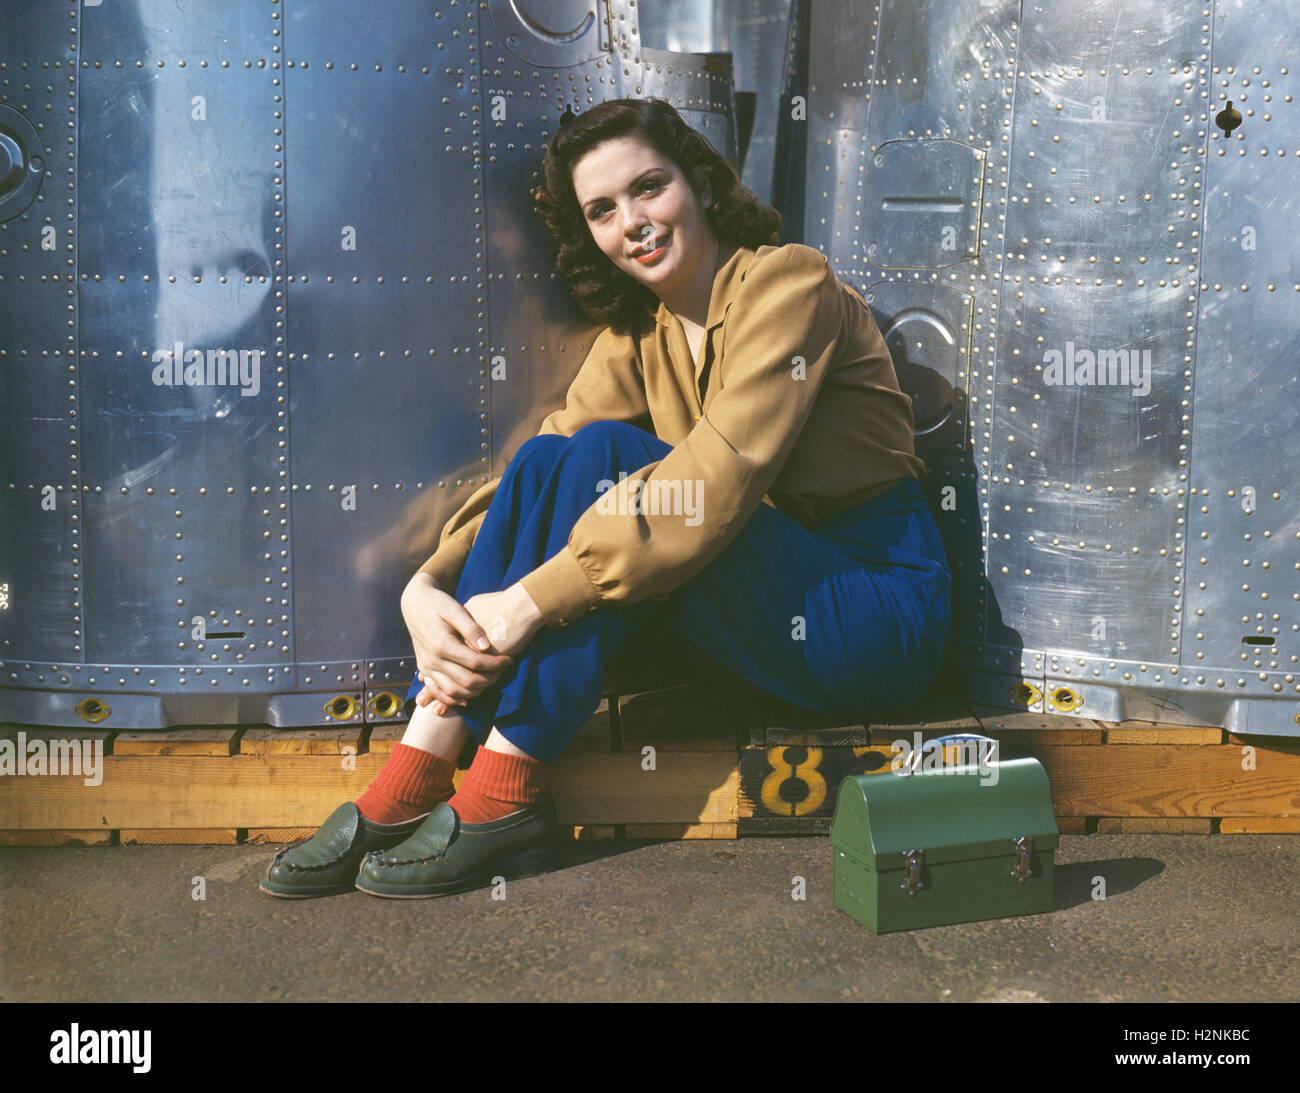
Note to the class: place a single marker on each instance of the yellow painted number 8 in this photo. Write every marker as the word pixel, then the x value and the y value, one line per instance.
pixel 783 771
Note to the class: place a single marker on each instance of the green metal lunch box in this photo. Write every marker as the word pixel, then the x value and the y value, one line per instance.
pixel 943 843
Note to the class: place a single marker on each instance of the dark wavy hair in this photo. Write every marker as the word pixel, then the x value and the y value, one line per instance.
pixel 604 292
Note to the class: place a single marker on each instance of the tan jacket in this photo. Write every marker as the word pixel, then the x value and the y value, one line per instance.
pixel 802 410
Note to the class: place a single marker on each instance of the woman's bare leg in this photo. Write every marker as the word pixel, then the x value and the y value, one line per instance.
pixel 497 742
pixel 444 736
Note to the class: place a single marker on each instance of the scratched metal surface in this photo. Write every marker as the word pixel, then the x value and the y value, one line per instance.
pixel 345 202
pixel 1011 185
pixel 1020 188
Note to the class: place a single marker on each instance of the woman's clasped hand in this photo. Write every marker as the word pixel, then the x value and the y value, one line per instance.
pixel 461 650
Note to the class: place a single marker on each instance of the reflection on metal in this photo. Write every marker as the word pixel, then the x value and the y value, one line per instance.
pixel 753 33
pixel 234 416
pixel 556 34
pixel 234 413
pixel 700 87
pixel 928 334
pixel 1104 424
pixel 21 163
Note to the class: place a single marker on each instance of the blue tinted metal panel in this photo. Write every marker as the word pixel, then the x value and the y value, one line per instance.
pixel 179 386
pixel 350 569
pixel 181 141
pixel 386 181
pixel 33 37
pixel 37 558
pixel 37 316
pixel 129 591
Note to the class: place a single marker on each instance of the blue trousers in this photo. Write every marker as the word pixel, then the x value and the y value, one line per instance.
pixel 846 619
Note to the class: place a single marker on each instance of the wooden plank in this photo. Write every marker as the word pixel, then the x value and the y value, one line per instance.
pixel 1026 728
pixel 1086 780
pixel 47 733
pixel 220 836
pixel 936 714
pixel 54 752
pixel 1174 780
pixel 679 719
pixel 783 825
pixel 1259 825
pixel 842 736
pixel 1147 825
pixel 588 832
pixel 280 834
pixel 301 791
pixel 684 787
pixel 383 737
pixel 332 741
pixel 775 723
pixel 597 734
pixel 1072 825
pixel 1257 740
pixel 1152 732
pixel 102 837
pixel 220 740
pixel 679 831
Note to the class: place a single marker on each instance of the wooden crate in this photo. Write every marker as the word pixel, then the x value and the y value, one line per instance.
pixel 706 759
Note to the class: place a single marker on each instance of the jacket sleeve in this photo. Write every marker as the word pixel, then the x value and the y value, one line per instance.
pixel 781 335
pixel 608 387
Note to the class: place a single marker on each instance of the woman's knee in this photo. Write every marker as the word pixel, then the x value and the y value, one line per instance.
pixel 547 442
pixel 546 449
pixel 603 436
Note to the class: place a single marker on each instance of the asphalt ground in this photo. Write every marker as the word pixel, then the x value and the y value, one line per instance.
pixel 1184 918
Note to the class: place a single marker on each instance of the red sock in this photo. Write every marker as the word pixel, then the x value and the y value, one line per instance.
pixel 498 784
pixel 410 784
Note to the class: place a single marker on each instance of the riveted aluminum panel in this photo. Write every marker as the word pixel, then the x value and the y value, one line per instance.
pixel 38 610
pixel 929 205
pixel 924 202
pixel 39 534
pixel 231 546
pixel 385 309
pixel 1242 615
pixel 700 87
pixel 754 33
pixel 538 61
pixel 1123 238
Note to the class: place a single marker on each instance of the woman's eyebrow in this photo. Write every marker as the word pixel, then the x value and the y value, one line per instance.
pixel 631 186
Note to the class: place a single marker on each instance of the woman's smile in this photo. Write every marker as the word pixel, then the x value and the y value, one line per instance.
pixel 647 258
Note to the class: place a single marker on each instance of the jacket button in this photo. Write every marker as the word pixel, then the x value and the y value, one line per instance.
pixel 697 417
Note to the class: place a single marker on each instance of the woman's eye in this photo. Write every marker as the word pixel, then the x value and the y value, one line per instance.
pixel 599 212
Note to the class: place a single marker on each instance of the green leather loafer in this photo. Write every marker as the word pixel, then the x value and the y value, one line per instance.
pixel 326 864
pixel 446 856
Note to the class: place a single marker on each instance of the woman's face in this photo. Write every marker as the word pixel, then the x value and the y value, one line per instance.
pixel 643 213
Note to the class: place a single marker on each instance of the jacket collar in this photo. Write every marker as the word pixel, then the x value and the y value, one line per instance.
pixel 733 261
